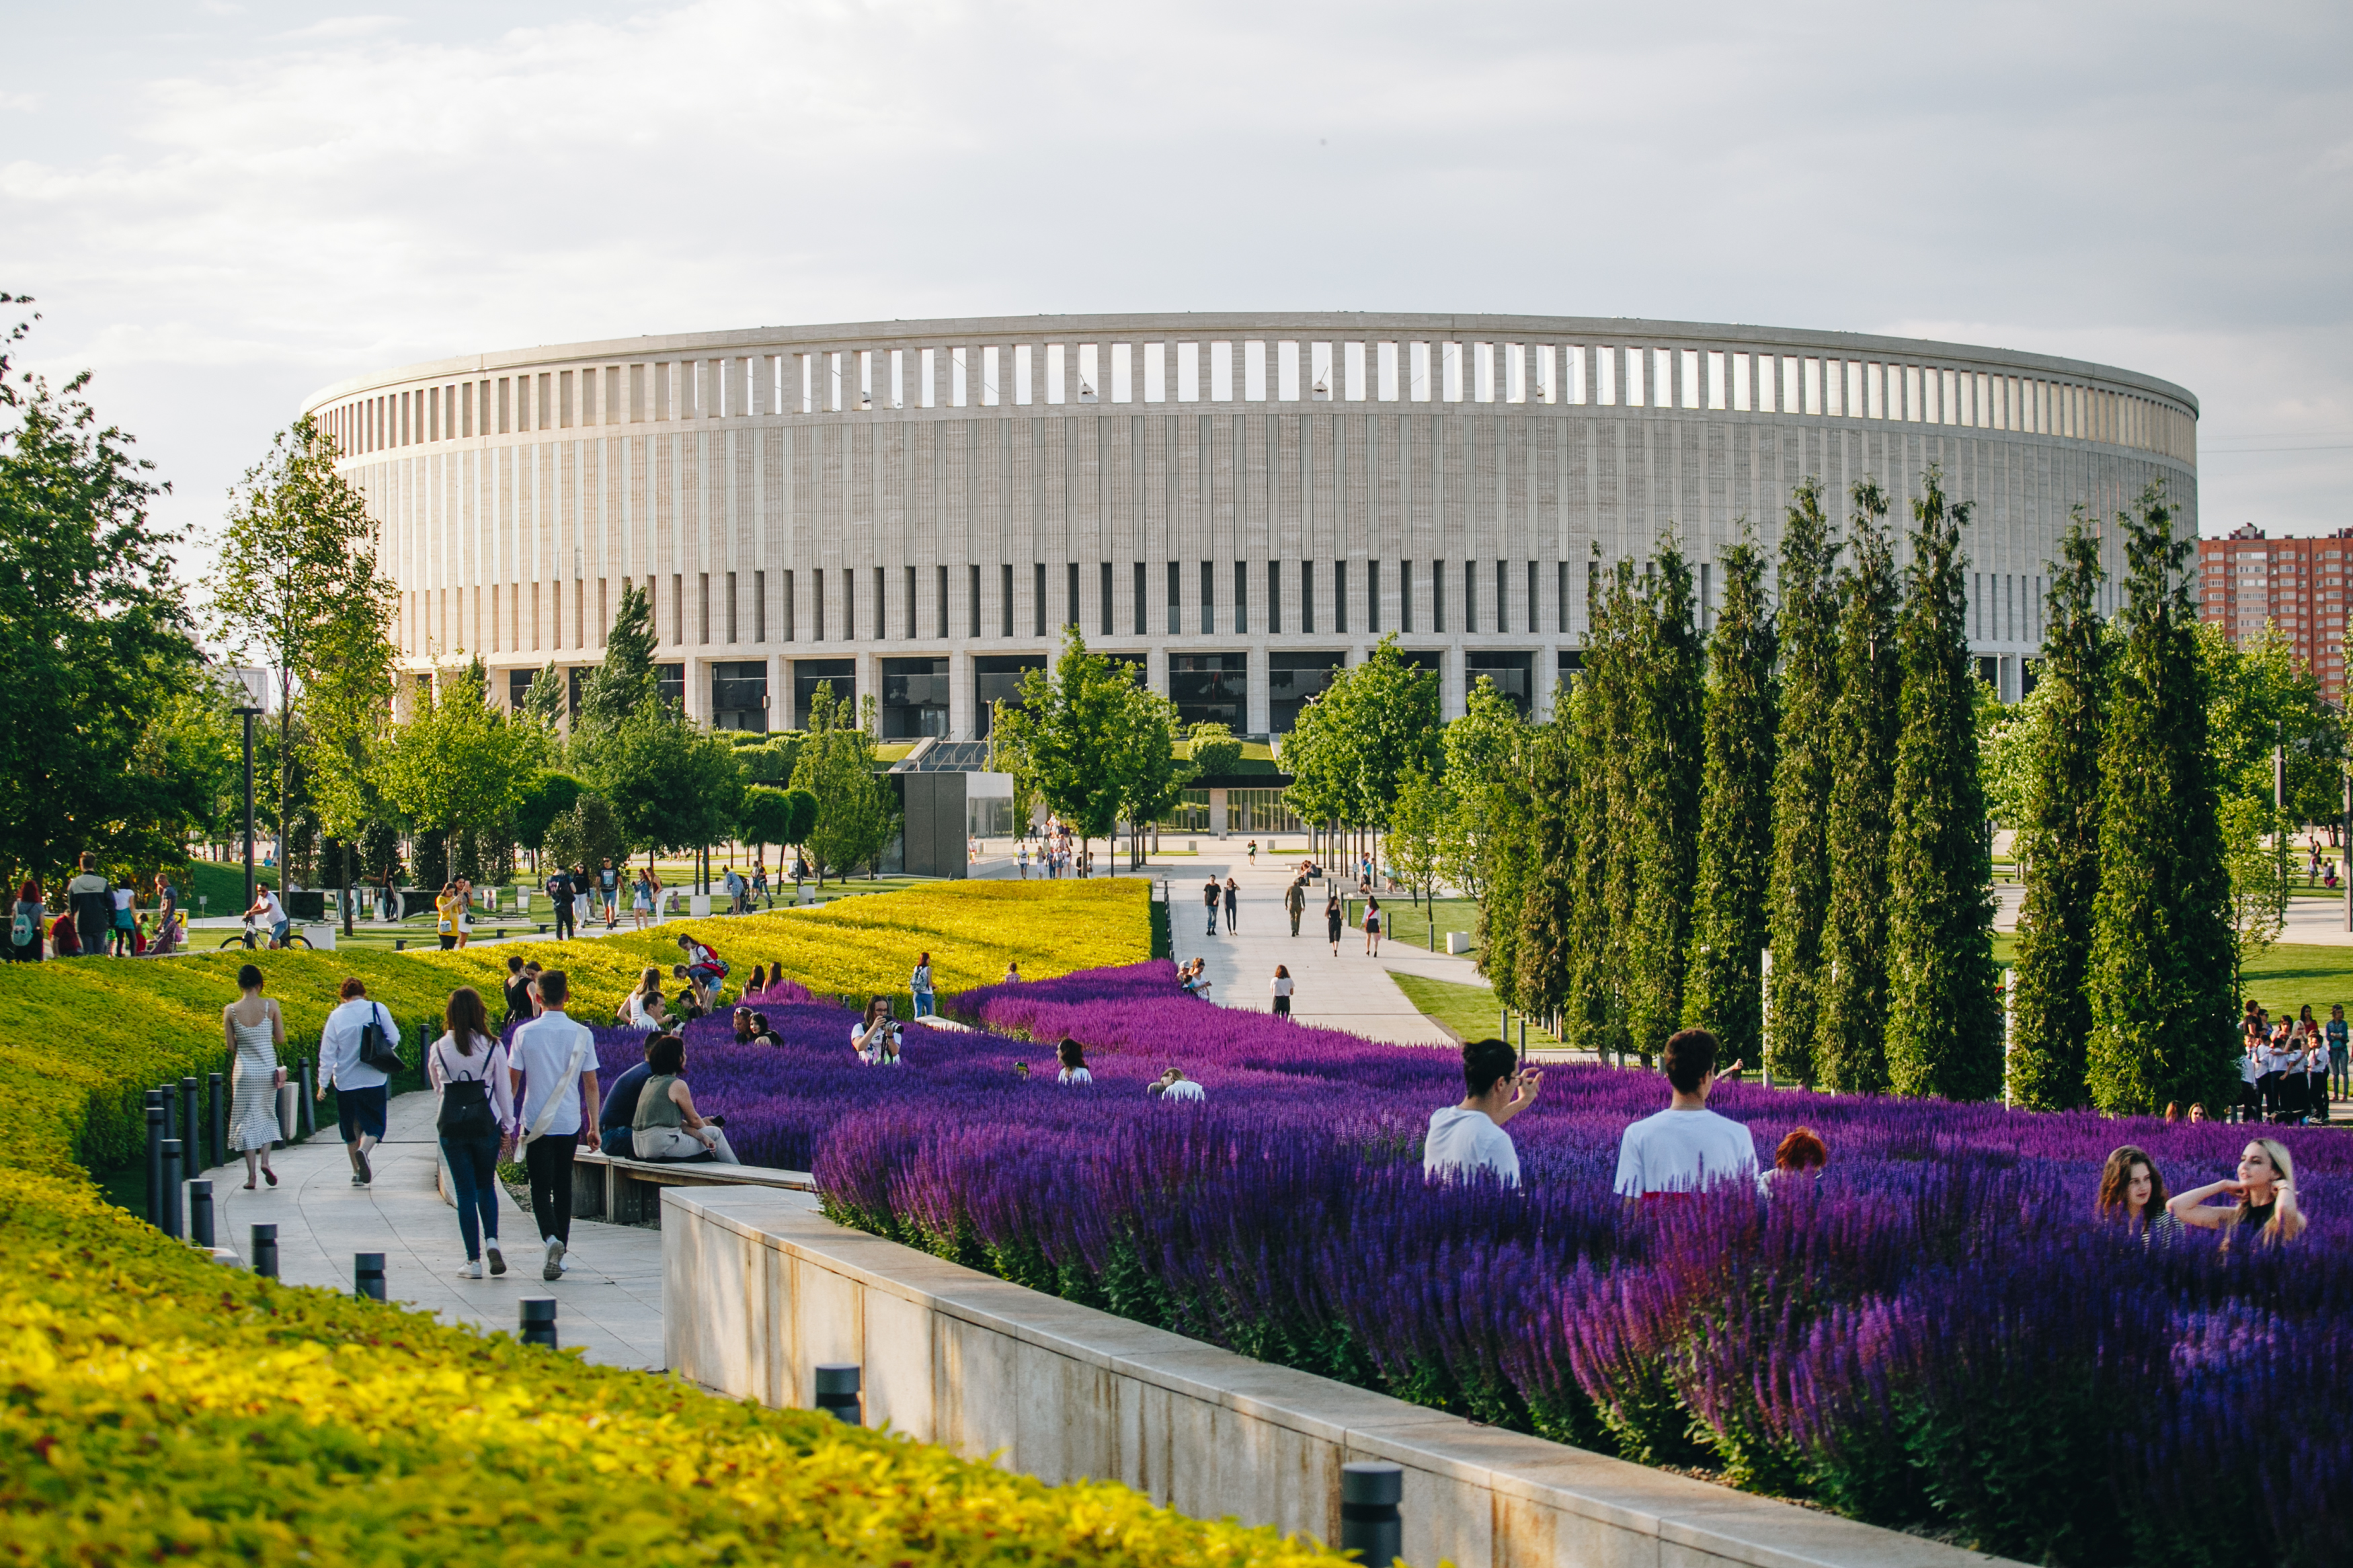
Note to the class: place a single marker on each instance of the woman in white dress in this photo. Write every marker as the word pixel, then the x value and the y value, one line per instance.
pixel 256 1032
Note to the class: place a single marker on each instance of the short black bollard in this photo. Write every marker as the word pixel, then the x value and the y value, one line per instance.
pixel 306 1097
pixel 200 1213
pixel 1369 1524
pixel 367 1275
pixel 192 1131
pixel 155 1157
pixel 836 1392
pixel 170 1223
pixel 263 1253
pixel 537 1326
pixel 215 1086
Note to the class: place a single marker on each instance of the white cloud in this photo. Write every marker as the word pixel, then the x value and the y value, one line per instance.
pixel 307 198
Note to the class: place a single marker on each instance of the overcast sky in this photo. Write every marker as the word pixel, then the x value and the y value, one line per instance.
pixel 222 208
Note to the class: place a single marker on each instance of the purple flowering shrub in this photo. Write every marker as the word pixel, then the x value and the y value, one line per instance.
pixel 1934 1333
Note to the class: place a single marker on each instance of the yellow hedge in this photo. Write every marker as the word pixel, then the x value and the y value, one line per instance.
pixel 162 1408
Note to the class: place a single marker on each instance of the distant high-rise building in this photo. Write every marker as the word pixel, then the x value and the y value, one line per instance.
pixel 2247 581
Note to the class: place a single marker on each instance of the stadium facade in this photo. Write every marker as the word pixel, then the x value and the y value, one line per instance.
pixel 914 509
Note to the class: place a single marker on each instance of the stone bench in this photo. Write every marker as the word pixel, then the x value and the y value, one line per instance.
pixel 629 1192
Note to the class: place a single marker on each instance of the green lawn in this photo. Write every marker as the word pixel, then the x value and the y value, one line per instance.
pixel 1469 1010
pixel 1409 923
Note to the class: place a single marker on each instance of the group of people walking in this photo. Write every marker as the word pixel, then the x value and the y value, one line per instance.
pixel 1057 853
pixel 2288 1067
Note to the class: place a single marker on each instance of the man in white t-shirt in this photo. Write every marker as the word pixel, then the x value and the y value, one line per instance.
pixel 555 1065
pixel 1469 1137
pixel 1686 1146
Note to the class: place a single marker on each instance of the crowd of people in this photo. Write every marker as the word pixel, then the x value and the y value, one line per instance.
pixel 1058 854
pixel 93 914
pixel 2288 1067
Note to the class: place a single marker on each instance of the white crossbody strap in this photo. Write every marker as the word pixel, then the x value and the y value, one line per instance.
pixel 539 1123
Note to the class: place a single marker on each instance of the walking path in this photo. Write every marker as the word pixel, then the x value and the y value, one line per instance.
pixel 608 1303
pixel 1352 992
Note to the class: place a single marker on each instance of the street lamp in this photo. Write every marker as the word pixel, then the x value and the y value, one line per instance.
pixel 248 715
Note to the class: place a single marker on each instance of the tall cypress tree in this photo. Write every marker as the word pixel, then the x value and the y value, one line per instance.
pixel 1799 896
pixel 2059 841
pixel 1547 916
pixel 1724 989
pixel 1604 871
pixel 1943 1025
pixel 2160 978
pixel 1664 800
pixel 1851 1037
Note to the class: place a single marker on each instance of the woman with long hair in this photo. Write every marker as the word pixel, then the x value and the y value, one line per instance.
pixel 467 1068
pixel 667 1126
pixel 2132 1189
pixel 2265 1188
pixel 256 1033
pixel 875 1036
pixel 642 1008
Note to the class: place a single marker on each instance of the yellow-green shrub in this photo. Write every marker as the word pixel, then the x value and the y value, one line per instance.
pixel 162 1408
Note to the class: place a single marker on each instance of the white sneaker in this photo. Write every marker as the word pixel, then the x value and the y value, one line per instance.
pixel 553 1268
pixel 474 1270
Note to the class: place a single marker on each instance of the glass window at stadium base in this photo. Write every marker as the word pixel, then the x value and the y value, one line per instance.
pixel 1239 504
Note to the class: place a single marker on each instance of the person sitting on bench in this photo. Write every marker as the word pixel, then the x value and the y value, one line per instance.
pixel 667 1126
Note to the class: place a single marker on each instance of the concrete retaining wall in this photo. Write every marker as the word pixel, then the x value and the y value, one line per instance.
pixel 757 1291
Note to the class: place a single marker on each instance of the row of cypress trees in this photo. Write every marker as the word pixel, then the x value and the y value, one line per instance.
pixel 1806 779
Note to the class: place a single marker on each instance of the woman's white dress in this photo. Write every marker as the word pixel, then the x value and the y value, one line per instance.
pixel 253 1113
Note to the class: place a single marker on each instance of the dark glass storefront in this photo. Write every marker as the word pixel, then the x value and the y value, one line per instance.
pixel 1210 688
pixel 670 685
pixel 1511 673
pixel 914 698
pixel 739 696
pixel 996 678
pixel 809 674
pixel 1292 679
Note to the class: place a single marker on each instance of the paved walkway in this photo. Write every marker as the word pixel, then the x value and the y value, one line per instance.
pixel 1351 992
pixel 608 1303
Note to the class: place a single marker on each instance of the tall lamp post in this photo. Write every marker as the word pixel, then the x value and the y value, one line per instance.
pixel 248 715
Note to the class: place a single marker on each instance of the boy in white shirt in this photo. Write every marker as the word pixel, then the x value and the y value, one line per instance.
pixel 1470 1136
pixel 1687 1146
pixel 554 1063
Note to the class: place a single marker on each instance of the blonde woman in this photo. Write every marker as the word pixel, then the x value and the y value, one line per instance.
pixel 2265 1188
pixel 642 1009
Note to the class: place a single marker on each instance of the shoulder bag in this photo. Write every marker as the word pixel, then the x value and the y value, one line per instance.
pixel 376 1049
pixel 466 1113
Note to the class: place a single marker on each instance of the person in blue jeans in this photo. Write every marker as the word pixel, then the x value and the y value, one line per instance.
pixel 620 1108
pixel 919 984
pixel 2334 1033
pixel 467 1068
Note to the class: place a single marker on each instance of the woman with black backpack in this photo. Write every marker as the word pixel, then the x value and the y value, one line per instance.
pixel 467 1066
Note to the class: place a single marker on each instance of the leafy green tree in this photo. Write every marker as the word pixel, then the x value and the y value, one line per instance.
pixel 542 799
pixel 2266 700
pixel 1418 822
pixel 1943 1025
pixel 1150 776
pixel 1484 778
pixel 459 765
pixel 1066 733
pixel 97 642
pixel 804 818
pixel 347 712
pixel 1545 956
pixel 766 819
pixel 546 699
pixel 299 550
pixel 625 681
pixel 2256 862
pixel 1356 739
pixel 1849 1047
pixel 1669 667
pixel 1797 893
pixel 2162 1001
pixel 2009 741
pixel 1602 865
pixel 856 812
pixel 585 836
pixel 1729 916
pixel 2058 827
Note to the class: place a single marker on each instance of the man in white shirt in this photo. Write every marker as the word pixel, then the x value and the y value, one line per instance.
pixel 270 913
pixel 1686 1146
pixel 359 1087
pixel 554 1070
pixel 1469 1137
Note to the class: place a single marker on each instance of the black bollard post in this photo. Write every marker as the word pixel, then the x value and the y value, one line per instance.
pixel 367 1275
pixel 263 1253
pixel 537 1326
pixel 215 1087
pixel 306 1100
pixel 1370 1524
pixel 192 1131
pixel 170 1223
pixel 155 1157
pixel 200 1213
pixel 836 1392
pixel 169 1097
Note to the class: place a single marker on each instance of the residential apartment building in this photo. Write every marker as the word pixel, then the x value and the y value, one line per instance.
pixel 2247 581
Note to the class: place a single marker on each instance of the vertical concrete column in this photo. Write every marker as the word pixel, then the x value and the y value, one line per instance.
pixel 964 712
pixel 870 681
pixel 1217 813
pixel 1259 709
pixel 698 690
pixel 780 693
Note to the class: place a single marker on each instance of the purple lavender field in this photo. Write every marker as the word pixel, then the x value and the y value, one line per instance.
pixel 1936 1334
